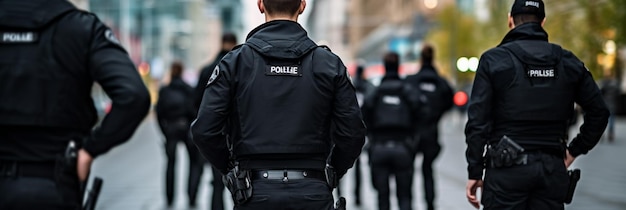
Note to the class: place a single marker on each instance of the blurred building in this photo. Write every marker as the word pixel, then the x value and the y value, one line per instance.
pixel 158 32
pixel 326 25
pixel 374 27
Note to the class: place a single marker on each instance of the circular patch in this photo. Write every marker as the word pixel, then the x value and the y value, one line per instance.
pixel 108 34
pixel 214 75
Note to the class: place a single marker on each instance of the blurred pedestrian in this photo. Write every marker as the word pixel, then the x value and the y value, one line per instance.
pixel 271 112
pixel 439 95
pixel 611 93
pixel 363 89
pixel 51 53
pixel 519 109
pixel 391 114
pixel 229 41
pixel 175 112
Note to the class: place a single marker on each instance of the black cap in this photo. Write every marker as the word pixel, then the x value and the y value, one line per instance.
pixel 534 7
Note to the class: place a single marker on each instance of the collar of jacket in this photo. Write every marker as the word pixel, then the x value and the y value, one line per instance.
pixel 31 14
pixel 280 39
pixel 526 31
pixel 177 82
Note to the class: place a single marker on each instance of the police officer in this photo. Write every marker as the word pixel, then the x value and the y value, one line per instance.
pixel 275 99
pixel 49 59
pixel 363 89
pixel 175 112
pixel 229 41
pixel 524 89
pixel 439 94
pixel 391 114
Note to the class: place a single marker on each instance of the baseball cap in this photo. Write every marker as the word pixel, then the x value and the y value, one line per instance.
pixel 534 7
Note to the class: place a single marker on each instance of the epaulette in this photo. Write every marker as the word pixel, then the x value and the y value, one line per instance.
pixel 325 47
pixel 238 46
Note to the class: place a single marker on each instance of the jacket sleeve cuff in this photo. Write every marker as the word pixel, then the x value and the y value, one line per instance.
pixel 575 151
pixel 475 172
pixel 92 148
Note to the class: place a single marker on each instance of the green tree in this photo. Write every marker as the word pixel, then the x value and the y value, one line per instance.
pixel 581 26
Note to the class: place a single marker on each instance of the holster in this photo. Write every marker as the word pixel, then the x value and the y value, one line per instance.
pixel 341 204
pixel 331 176
pixel 239 184
pixel 574 176
pixel 506 153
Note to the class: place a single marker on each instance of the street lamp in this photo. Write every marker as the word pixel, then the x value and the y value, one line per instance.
pixel 464 64
pixel 431 4
pixel 473 64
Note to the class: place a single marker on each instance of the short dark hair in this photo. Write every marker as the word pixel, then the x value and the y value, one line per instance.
pixel 428 54
pixel 176 69
pixel 519 19
pixel 391 60
pixel 229 38
pixel 284 7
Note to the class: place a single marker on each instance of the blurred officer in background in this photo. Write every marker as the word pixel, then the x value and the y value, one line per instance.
pixel 363 89
pixel 439 95
pixel 175 112
pixel 50 55
pixel 524 90
pixel 275 98
pixel 229 41
pixel 391 114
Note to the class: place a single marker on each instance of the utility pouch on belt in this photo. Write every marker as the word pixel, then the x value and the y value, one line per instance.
pixel 239 184
pixel 65 173
pixel 331 176
pixel 574 176
pixel 506 153
pixel 341 204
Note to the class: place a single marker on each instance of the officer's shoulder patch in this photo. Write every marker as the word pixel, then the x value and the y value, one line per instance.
pixel 350 79
pixel 214 75
pixel 110 36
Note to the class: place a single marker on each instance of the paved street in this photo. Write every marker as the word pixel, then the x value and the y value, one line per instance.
pixel 134 174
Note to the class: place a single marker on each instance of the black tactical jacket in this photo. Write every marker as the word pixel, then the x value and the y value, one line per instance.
pixel 494 110
pixel 49 61
pixel 280 97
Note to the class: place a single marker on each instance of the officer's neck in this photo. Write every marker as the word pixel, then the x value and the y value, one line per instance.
pixel 269 17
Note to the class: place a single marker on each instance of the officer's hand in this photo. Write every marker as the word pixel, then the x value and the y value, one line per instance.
pixel 470 191
pixel 569 159
pixel 83 164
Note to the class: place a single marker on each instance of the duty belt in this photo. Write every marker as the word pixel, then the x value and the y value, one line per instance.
pixel 286 175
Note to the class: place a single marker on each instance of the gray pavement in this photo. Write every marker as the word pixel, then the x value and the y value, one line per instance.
pixel 134 174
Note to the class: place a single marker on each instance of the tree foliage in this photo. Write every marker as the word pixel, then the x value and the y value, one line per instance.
pixel 581 26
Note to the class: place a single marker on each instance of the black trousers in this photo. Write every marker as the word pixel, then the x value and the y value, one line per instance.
pixel 217 197
pixel 541 184
pixel 429 146
pixel 392 159
pixel 33 193
pixel 173 135
pixel 296 194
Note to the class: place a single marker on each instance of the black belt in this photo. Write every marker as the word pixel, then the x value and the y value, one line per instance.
pixel 27 169
pixel 286 175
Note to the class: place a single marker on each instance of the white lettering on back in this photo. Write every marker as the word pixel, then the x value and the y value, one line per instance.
pixel 284 70
pixel 548 73
pixel 18 37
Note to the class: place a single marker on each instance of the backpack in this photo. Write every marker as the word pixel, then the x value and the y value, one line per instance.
pixel 172 104
pixel 391 108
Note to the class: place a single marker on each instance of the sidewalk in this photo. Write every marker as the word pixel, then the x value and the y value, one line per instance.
pixel 603 174
pixel 134 174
